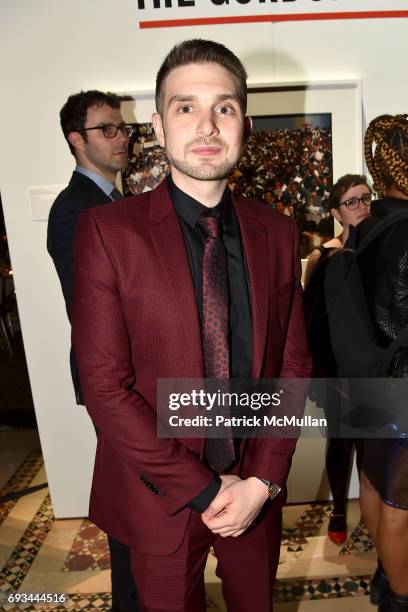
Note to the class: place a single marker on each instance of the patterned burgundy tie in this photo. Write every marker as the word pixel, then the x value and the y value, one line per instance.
pixel 219 451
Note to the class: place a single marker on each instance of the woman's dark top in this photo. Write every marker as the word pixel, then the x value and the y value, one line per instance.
pixel 317 324
pixel 384 270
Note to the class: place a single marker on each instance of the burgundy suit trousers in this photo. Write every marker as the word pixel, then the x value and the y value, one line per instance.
pixel 246 565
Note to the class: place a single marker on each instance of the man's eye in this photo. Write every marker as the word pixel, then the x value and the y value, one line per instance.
pixel 225 110
pixel 185 108
pixel 108 129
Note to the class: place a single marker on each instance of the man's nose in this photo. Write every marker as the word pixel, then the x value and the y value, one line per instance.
pixel 207 125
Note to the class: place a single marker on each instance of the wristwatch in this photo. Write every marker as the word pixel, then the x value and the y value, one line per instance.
pixel 273 489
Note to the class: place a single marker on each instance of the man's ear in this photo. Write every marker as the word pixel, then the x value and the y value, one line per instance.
pixel 158 129
pixel 247 128
pixel 77 141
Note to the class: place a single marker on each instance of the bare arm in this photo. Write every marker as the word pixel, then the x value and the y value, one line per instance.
pixel 312 261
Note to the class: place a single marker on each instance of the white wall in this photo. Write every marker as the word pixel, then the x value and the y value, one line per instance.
pixel 49 50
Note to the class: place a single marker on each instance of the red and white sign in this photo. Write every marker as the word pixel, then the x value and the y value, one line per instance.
pixel 173 13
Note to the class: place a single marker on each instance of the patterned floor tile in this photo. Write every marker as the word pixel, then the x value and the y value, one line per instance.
pixel 328 588
pixel 20 480
pixel 18 564
pixel 306 526
pixel 89 550
pixel 359 541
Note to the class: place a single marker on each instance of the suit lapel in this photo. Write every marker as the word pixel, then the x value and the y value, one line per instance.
pixel 254 241
pixel 171 251
pixel 87 185
pixel 169 244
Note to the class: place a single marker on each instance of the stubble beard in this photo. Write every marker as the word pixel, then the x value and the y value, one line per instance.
pixel 121 167
pixel 113 168
pixel 108 164
pixel 204 171
pixel 118 165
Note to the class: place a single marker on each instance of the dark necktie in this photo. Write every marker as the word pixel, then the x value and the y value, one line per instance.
pixel 219 451
pixel 115 194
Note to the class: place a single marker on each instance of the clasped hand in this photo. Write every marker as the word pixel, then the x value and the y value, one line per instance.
pixel 236 506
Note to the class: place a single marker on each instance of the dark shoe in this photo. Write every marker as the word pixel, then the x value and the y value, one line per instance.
pixel 379 586
pixel 394 603
pixel 337 530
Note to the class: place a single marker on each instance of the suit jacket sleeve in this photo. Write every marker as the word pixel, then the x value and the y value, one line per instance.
pixel 60 243
pixel 271 458
pixel 103 350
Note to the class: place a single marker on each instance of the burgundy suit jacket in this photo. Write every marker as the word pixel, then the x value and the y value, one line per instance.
pixel 135 320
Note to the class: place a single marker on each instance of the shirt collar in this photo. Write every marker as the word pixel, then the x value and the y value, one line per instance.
pixel 190 210
pixel 102 182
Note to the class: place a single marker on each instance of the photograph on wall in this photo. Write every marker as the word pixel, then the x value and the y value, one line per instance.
pixel 286 163
pixel 148 164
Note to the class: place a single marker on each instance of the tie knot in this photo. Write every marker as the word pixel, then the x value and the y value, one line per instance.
pixel 115 194
pixel 210 225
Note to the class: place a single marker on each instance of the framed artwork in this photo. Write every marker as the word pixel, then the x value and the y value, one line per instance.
pixel 305 136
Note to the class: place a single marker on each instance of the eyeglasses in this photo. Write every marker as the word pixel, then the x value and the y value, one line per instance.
pixel 352 203
pixel 110 130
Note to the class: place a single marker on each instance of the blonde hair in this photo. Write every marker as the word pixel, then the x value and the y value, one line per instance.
pixel 386 152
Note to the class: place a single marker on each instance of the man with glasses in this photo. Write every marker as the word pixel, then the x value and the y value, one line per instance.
pixel 98 138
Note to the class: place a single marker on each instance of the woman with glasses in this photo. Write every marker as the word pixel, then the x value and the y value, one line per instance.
pixel 349 203
pixel 384 270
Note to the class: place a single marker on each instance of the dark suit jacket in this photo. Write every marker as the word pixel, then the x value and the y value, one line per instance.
pixel 82 193
pixel 135 320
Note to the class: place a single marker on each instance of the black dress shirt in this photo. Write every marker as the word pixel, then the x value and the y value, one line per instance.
pixel 189 211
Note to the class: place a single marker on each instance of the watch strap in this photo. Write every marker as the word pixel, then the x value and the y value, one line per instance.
pixel 273 489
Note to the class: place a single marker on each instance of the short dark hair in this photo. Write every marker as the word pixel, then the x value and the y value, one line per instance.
pixel 344 184
pixel 199 51
pixel 73 113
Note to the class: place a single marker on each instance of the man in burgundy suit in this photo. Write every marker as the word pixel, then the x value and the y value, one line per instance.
pixel 143 290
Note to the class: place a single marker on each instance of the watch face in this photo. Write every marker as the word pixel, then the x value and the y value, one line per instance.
pixel 274 490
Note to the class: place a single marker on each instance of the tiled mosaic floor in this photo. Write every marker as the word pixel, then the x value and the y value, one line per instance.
pixel 40 554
